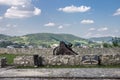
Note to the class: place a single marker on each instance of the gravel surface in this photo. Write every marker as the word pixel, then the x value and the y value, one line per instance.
pixel 63 73
pixel 50 79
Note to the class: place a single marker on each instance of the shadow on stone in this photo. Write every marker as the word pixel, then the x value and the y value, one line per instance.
pixel 37 60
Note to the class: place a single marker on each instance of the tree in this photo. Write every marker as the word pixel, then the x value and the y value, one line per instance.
pixel 106 45
pixel 4 44
pixel 116 42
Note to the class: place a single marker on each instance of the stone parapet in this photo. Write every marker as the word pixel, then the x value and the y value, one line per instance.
pixel 49 51
pixel 90 59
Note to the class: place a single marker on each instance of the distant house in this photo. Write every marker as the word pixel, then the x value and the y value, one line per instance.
pixel 10 47
pixel 14 46
pixel 80 45
pixel 40 47
pixel 54 45
pixel 84 46
pixel 30 46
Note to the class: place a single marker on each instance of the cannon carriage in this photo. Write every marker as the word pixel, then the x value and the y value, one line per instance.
pixel 64 49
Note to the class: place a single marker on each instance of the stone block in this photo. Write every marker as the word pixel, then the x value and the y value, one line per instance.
pixel 24 61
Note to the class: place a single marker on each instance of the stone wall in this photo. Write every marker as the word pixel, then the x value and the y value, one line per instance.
pixel 108 56
pixel 67 60
pixel 111 59
pixel 49 51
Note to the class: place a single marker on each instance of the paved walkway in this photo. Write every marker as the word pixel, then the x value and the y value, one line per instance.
pixel 62 73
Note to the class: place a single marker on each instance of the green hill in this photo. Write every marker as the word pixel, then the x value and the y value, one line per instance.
pixel 44 38
pixel 105 39
pixel 51 37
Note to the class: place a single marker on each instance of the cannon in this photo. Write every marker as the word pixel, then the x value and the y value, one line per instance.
pixel 64 49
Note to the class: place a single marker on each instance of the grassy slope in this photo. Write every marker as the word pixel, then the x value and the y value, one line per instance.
pixel 47 38
pixel 9 57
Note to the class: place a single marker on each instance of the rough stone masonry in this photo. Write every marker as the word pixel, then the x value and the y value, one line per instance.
pixel 49 51
pixel 106 59
pixel 107 56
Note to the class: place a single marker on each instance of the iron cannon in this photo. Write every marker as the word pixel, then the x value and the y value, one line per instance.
pixel 64 49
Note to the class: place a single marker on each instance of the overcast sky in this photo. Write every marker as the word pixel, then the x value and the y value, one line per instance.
pixel 83 18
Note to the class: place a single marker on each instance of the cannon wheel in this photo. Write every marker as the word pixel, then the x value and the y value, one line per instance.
pixel 55 50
